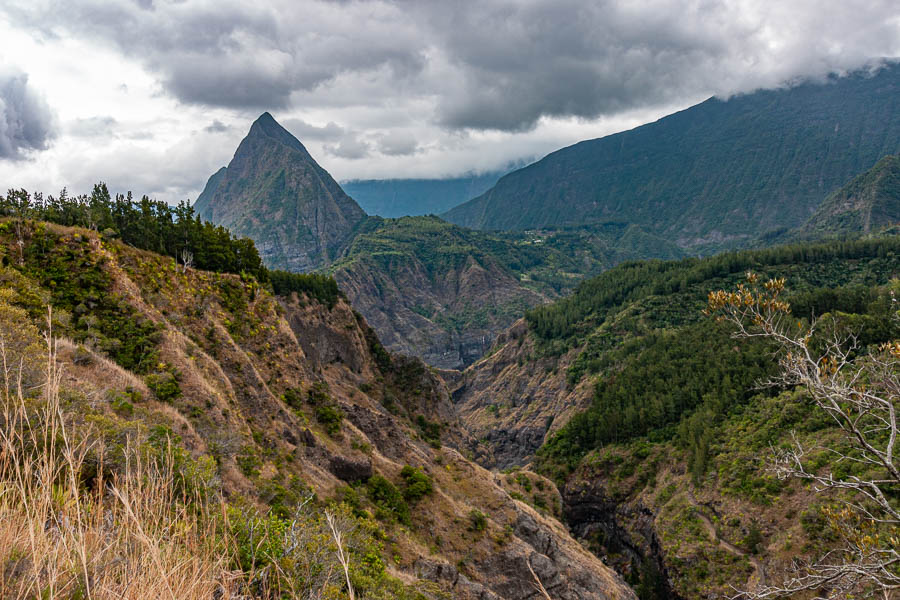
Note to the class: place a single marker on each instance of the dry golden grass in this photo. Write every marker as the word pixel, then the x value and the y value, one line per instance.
pixel 66 532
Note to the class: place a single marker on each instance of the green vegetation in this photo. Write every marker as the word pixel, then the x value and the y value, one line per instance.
pixel 146 224
pixel 477 520
pixel 715 175
pixel 661 294
pixel 149 225
pixel 164 385
pixel 679 418
pixel 320 287
pixel 666 371
pixel 388 499
pixel 870 202
pixel 328 413
pixel 431 431
pixel 692 369
pixel 416 484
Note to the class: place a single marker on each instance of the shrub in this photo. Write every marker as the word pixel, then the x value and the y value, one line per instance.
pixel 164 386
pixel 754 538
pixel 416 483
pixel 477 520
pixel 388 499
pixel 293 397
pixel 431 431
pixel 330 416
pixel 319 393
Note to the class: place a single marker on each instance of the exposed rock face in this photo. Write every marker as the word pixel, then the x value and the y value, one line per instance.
pixel 626 528
pixel 241 352
pixel 275 193
pixel 449 318
pixel 512 407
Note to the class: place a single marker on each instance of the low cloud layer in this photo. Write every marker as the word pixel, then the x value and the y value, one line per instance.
pixel 26 121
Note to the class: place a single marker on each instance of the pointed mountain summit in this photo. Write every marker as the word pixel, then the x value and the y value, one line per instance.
pixel 869 203
pixel 274 192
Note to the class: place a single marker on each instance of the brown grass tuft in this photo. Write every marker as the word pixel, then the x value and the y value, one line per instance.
pixel 67 530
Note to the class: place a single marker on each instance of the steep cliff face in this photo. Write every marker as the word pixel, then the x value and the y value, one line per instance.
pixel 275 193
pixel 432 291
pixel 448 322
pixel 285 393
pixel 514 400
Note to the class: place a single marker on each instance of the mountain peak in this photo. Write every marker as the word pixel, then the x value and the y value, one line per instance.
pixel 272 179
pixel 266 126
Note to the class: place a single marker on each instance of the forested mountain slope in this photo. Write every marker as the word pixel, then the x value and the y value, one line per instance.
pixel 650 418
pixel 870 202
pixel 715 175
pixel 281 402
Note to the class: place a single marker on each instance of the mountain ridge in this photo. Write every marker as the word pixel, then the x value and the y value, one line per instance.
pixel 868 203
pixel 709 176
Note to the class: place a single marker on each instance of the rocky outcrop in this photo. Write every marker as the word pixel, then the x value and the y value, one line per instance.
pixel 513 399
pixel 252 371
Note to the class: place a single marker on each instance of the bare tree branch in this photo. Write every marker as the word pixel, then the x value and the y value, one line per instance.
pixel 858 389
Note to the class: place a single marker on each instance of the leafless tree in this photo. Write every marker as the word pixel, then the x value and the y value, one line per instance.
pixel 187 259
pixel 338 529
pixel 858 388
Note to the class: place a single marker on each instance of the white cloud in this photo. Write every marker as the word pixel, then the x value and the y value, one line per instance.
pixel 380 88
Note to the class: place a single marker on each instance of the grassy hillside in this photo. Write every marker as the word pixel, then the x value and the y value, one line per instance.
pixel 243 417
pixel 715 175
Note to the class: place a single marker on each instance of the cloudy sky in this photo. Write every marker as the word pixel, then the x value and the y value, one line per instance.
pixel 155 95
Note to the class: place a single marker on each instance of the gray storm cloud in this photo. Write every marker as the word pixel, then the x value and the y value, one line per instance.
pixel 26 121
pixel 499 65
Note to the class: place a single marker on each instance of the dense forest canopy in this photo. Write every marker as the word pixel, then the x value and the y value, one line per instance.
pixel 562 324
pixel 667 372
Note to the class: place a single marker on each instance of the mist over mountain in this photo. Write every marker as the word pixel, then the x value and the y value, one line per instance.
pixel 715 175
pixel 414 197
